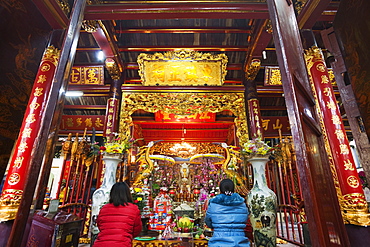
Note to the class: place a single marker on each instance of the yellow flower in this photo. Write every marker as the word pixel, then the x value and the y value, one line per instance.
pixel 137 190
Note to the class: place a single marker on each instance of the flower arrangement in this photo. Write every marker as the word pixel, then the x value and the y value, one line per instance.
pixel 256 148
pixel 138 197
pixel 184 224
pixel 117 146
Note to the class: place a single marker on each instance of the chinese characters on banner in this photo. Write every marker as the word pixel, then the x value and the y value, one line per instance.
pixel 273 76
pixel 270 125
pixel 88 75
pixel 335 136
pixel 76 122
pixel 161 116
pixel 20 160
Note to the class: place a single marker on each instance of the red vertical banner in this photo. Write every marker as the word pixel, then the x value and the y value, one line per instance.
pixel 16 174
pixel 110 125
pixel 255 120
pixel 337 144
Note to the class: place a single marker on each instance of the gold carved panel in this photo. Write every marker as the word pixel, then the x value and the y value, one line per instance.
pixel 182 68
pixel 184 104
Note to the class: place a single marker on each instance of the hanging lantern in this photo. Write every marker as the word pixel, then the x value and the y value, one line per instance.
pixel 172 191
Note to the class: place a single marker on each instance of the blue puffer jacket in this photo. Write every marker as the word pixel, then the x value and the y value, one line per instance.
pixel 227 215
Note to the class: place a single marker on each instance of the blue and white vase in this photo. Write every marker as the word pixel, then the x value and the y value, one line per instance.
pixel 262 203
pixel 101 195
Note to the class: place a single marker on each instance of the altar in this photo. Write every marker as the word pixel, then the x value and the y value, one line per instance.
pixel 170 243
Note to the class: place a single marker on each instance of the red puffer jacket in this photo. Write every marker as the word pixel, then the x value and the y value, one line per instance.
pixel 118 225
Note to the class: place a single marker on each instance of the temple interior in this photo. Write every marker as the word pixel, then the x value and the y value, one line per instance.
pixel 172 97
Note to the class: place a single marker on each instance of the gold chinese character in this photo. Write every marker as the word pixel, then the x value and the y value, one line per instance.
pixel 265 124
pixel 207 71
pixel 193 116
pixel 327 92
pixel 14 178
pixel 348 165
pixel 26 132
pixel 98 122
pixel 254 103
pixel 22 147
pixel 75 75
pixel 110 110
pixel 340 134
pixel 277 124
pixel 353 181
pixel 344 149
pixel 91 75
pixel 174 73
pixel 204 115
pixel 38 92
pixel 34 105
pixel 166 116
pixel 18 162
pixel 69 122
pixel 320 67
pixel 331 105
pixel 335 119
pixel 324 79
pixel 45 67
pixel 41 79
pixel 255 110
pixel 108 131
pixel 191 73
pixel 158 73
pixel 88 122
pixel 78 121
pixel 30 118
pixel 111 103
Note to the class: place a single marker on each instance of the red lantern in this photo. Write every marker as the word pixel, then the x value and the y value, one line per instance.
pixel 196 191
pixel 172 192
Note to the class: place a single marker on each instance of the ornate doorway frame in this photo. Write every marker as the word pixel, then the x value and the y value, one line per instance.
pixel 184 104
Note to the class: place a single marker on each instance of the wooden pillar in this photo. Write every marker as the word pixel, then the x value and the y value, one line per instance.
pixel 113 103
pixel 321 203
pixel 56 97
pixel 251 100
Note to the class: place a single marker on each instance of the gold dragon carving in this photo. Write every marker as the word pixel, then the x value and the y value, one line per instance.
pixel 233 156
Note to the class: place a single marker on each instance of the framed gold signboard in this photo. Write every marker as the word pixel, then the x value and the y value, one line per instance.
pixel 182 68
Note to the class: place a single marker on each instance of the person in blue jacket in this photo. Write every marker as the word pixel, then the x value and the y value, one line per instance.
pixel 227 215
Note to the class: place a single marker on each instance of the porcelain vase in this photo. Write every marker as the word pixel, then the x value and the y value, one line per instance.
pixel 262 203
pixel 101 195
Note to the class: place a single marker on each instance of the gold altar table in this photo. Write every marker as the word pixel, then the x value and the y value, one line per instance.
pixel 170 243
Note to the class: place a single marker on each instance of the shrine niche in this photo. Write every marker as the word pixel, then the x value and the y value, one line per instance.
pixel 184 104
pixel 182 68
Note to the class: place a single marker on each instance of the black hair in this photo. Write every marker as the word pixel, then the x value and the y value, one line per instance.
pixel 227 186
pixel 120 194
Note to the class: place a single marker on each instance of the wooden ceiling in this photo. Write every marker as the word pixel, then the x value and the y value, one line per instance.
pixel 239 29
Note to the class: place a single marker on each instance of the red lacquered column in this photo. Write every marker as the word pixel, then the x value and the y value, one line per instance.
pixel 23 149
pixel 350 192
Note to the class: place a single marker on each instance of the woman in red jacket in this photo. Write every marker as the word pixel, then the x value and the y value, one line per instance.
pixel 119 221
